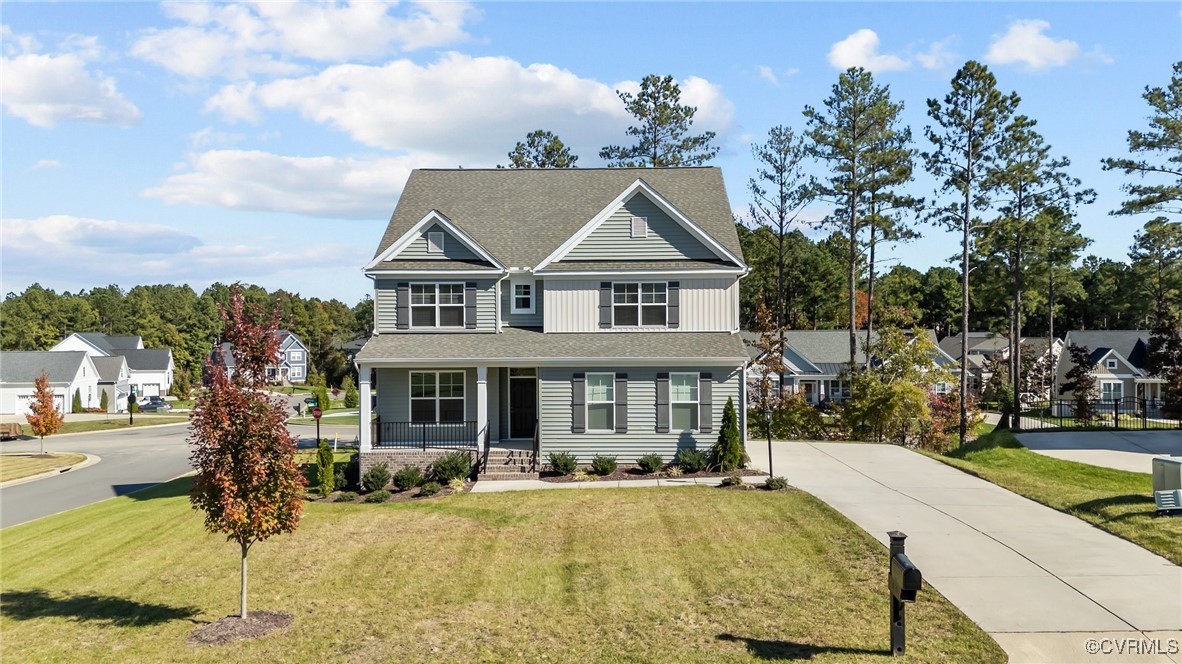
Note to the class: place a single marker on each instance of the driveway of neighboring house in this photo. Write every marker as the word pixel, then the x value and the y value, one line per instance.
pixel 1123 450
pixel 1039 581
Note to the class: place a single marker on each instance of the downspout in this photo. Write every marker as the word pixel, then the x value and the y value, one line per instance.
pixel 500 304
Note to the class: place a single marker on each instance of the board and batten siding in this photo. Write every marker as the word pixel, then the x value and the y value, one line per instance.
pixel 667 239
pixel 386 304
pixel 535 319
pixel 453 249
pixel 707 304
pixel 641 438
pixel 393 392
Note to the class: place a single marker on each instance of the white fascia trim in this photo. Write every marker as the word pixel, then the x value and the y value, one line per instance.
pixel 412 234
pixel 727 362
pixel 83 340
pixel 411 274
pixel 688 272
pixel 661 202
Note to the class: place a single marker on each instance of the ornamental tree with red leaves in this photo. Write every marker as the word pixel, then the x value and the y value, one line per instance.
pixel 247 480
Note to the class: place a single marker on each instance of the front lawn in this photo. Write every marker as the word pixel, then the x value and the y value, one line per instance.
pixel 16 466
pixel 116 422
pixel 1114 500
pixel 642 575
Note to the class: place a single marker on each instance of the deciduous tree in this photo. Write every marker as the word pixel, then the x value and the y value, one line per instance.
pixel 44 418
pixel 662 137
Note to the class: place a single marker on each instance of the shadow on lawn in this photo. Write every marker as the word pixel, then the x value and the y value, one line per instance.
pixel 115 611
pixel 789 650
pixel 148 491
pixel 1100 506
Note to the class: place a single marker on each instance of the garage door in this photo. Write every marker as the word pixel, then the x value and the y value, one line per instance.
pixel 23 401
pixel 150 390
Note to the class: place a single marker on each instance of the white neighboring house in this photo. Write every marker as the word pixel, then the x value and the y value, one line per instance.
pixel 150 370
pixel 113 377
pixel 68 372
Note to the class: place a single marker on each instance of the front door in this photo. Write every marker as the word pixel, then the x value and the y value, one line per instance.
pixel 808 389
pixel 523 402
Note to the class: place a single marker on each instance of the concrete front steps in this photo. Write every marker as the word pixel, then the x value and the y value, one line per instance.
pixel 503 464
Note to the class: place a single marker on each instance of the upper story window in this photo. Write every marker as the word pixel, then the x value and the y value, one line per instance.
pixel 297 356
pixel 640 304
pixel 523 297
pixel 437 305
pixel 1111 364
pixel 435 241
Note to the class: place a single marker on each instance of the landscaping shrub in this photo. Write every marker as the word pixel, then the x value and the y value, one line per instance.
pixel 450 466
pixel 346 497
pixel 76 407
pixel 775 483
pixel 133 407
pixel 408 478
pixel 353 472
pixel 430 489
pixel 104 402
pixel 380 496
pixel 603 465
pixel 584 476
pixel 338 479
pixel 673 471
pixel 732 480
pixel 728 453
pixel 322 398
pixel 376 478
pixel 324 468
pixel 456 485
pixel 692 460
pixel 352 399
pixel 650 463
pixel 563 463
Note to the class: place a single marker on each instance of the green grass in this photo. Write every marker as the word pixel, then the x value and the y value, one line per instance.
pixel 116 422
pixel 691 574
pixel 325 414
pixel 17 466
pixel 1117 501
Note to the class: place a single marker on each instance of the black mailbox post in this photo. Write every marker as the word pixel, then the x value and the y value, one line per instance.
pixel 904 581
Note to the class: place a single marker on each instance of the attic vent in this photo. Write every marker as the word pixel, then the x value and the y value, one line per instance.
pixel 435 242
pixel 639 227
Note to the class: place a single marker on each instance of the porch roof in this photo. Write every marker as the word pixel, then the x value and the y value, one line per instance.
pixel 531 345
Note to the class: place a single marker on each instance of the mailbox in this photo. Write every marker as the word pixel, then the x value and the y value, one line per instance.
pixel 905 578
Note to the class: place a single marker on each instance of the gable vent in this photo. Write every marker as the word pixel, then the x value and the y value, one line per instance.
pixel 435 242
pixel 639 227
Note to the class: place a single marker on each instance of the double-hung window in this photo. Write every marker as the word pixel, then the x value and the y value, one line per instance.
pixel 436 396
pixel 601 402
pixel 643 304
pixel 683 401
pixel 437 305
pixel 523 297
pixel 1111 391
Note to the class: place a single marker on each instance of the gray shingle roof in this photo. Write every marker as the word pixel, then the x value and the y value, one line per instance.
pixel 108 368
pixel 23 367
pixel 526 344
pixel 572 266
pixel 1131 344
pixel 437 264
pixel 522 215
pixel 147 359
pixel 827 346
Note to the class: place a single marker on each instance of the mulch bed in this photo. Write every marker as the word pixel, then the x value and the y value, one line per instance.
pixel 396 496
pixel 635 473
pixel 232 628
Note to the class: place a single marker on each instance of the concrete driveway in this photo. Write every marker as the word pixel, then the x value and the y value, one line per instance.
pixel 1039 581
pixel 1123 450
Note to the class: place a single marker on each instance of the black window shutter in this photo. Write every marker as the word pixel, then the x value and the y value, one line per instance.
pixel 402 306
pixel 663 402
pixel 621 403
pixel 605 304
pixel 705 402
pixel 674 302
pixel 470 305
pixel 578 402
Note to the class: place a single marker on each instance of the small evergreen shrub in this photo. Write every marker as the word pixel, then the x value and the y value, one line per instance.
pixel 380 496
pixel 563 463
pixel 346 497
pixel 408 478
pixel 728 453
pixel 352 399
pixel 456 485
pixel 603 465
pixel 692 460
pixel 353 471
pixel 430 489
pixel 732 480
pixel 104 402
pixel 133 407
pixel 324 468
pixel 776 483
pixel 450 466
pixel 76 407
pixel 339 483
pixel 376 478
pixel 650 463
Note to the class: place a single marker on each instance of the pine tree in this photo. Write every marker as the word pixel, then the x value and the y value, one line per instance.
pixel 1164 357
pixel 1164 139
pixel 541 149
pixel 350 388
pixel 728 453
pixel 1081 382
pixel 662 139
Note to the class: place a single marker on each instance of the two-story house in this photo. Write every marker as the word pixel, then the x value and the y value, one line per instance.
pixel 1119 363
pixel 150 370
pixel 291 359
pixel 591 311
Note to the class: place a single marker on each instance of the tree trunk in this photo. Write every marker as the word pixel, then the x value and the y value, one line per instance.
pixel 780 295
pixel 1016 342
pixel 853 285
pixel 242 599
pixel 870 286
pixel 964 322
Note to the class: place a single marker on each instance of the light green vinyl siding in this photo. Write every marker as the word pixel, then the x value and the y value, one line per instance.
pixel 613 240
pixel 642 437
pixel 386 304
pixel 453 249
pixel 522 320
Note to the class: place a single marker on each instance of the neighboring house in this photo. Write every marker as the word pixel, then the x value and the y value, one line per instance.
pixel 150 370
pixel 591 311
pixel 68 371
pixel 986 349
pixel 114 375
pixel 1118 363
pixel 291 361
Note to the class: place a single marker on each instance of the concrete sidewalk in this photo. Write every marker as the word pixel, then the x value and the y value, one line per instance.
pixel 1039 581
pixel 1123 450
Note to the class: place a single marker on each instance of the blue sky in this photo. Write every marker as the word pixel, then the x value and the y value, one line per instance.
pixel 268 143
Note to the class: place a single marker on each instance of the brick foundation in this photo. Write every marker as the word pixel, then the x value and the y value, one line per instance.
pixel 397 459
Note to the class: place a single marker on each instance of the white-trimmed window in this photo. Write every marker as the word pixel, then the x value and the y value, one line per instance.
pixel 683 401
pixel 523 297
pixel 639 227
pixel 437 305
pixel 296 372
pixel 1111 364
pixel 1112 391
pixel 436 396
pixel 940 388
pixel 435 241
pixel 643 304
pixel 297 355
pixel 601 402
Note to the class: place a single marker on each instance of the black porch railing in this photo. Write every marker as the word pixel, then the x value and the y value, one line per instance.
pixel 426 434
pixel 1129 413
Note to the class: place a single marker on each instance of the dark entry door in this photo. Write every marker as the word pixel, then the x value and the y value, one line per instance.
pixel 523 406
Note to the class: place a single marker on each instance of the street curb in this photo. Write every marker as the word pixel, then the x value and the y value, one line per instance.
pixel 90 460
pixel 89 433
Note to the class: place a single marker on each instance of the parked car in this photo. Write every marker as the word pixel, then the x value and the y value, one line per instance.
pixel 154 405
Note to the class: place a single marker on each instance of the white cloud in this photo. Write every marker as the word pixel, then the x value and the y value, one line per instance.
pixel 939 55
pixel 47 163
pixel 240 40
pixel 234 103
pixel 46 89
pixel 209 136
pixel 860 49
pixel 1025 43
pixel 80 236
pixel 768 75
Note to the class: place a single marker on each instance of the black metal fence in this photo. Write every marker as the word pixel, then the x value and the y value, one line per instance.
pixel 426 434
pixel 1129 413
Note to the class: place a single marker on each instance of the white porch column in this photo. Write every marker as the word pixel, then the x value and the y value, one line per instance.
pixel 481 406
pixel 364 427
